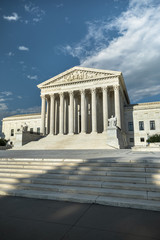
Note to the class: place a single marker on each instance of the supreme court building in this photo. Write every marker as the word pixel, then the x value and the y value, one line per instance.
pixel 80 102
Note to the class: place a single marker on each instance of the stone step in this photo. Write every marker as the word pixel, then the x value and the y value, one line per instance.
pixel 130 203
pixel 112 159
pixel 79 172
pixel 77 141
pixel 111 201
pixel 99 162
pixel 128 166
pixel 66 178
pixel 110 177
pixel 83 168
pixel 80 190
pixel 99 184
pixel 95 180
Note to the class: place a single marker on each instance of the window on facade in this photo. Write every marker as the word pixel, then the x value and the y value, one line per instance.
pixel 12 132
pixel 130 126
pixel 142 139
pixel 152 125
pixel 38 130
pixel 131 140
pixel 31 130
pixel 141 125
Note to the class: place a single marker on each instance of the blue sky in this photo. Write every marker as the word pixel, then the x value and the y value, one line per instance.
pixel 40 39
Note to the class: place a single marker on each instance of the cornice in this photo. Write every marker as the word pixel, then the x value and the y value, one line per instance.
pixel 143 106
pixel 81 71
pixel 80 82
pixel 22 117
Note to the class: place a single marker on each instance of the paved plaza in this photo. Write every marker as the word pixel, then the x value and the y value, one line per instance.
pixel 22 218
pixel 78 154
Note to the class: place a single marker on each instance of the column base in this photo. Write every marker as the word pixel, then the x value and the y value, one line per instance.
pixel 50 134
pixel 93 133
pixel 104 132
pixel 82 133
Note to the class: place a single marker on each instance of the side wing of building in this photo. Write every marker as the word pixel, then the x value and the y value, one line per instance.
pixel 142 120
pixel 10 125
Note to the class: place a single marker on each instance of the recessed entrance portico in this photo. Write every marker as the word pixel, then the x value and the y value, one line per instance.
pixel 81 103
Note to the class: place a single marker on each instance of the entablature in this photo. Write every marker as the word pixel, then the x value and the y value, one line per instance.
pixel 77 86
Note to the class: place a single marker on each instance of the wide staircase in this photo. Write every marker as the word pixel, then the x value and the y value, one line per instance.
pixel 76 141
pixel 115 182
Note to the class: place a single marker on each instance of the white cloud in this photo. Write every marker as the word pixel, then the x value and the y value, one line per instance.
pixel 23 48
pixel 134 51
pixel 35 109
pixel 6 93
pixel 60 5
pixel 145 92
pixel 35 77
pixel 3 106
pixel 67 20
pixel 13 17
pixel 34 11
pixel 10 54
pixel 36 19
pixel 3 99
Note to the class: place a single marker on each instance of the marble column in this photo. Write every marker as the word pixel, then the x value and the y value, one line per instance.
pixel 105 108
pixel 79 115
pixel 71 112
pixel 94 111
pixel 65 116
pixel 75 116
pixel 48 115
pixel 56 117
pixel 43 114
pixel 83 112
pixel 61 117
pixel 52 113
pixel 117 105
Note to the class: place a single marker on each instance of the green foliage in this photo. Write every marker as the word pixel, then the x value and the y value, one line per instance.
pixel 3 142
pixel 154 138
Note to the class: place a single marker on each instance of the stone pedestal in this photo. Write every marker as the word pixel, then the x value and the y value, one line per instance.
pixel 116 137
pixel 112 137
pixel 18 139
pixel 22 138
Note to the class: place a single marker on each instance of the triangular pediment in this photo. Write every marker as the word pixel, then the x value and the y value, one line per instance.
pixel 77 74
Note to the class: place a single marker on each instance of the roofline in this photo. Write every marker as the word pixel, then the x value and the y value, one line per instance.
pixel 78 68
pixel 125 88
pixel 21 115
pixel 141 105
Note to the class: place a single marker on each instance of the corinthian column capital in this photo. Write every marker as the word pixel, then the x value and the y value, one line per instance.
pixel 82 91
pixel 116 87
pixel 93 90
pixel 105 89
pixel 52 95
pixel 61 94
pixel 43 96
pixel 71 93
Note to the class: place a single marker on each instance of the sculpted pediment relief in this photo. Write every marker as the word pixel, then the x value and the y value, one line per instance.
pixel 76 74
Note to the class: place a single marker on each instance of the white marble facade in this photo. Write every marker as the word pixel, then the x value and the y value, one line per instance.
pixel 81 100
